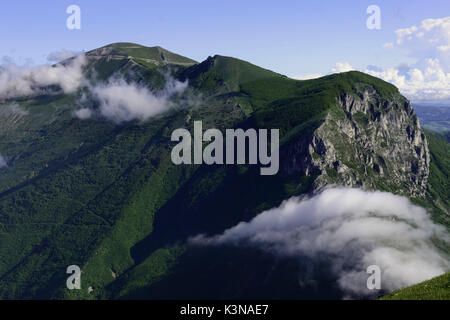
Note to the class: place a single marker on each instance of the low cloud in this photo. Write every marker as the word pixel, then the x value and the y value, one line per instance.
pixel 83 113
pixel 353 229
pixel 337 68
pixel 121 101
pixel 308 76
pixel 429 82
pixel 17 81
pixel 12 109
pixel 342 67
pixel 427 79
pixel 3 163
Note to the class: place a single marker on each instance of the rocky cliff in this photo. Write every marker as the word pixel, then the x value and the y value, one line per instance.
pixel 366 141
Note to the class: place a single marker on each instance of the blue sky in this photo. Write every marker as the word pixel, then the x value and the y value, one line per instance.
pixel 295 38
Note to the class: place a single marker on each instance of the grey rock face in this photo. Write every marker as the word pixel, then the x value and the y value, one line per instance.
pixel 365 141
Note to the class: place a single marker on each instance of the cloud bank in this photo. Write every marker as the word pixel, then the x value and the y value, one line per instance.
pixel 17 81
pixel 428 79
pixel 121 101
pixel 308 76
pixel 337 68
pixel 83 113
pixel 118 100
pixel 354 229
pixel 419 84
pixel 342 67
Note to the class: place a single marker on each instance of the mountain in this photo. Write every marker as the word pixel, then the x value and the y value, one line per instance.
pixel 105 195
pixel 232 72
pixel 148 56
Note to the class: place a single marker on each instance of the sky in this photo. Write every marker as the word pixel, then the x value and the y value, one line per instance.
pixel 301 39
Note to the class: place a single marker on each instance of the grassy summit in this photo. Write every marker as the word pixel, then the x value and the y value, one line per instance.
pixel 149 54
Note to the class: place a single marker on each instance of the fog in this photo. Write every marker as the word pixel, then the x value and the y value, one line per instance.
pixel 354 229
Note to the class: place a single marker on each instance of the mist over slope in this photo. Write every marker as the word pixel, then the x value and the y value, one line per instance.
pixel 16 81
pixel 354 229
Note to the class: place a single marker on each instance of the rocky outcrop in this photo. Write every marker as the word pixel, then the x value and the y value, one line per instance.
pixel 365 141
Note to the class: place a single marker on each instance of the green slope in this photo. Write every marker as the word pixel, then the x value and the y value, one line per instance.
pixel 435 289
pixel 438 197
pixel 285 103
pixel 233 72
pixel 440 167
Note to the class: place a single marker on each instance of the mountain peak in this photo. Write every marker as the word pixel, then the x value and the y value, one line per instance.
pixel 147 55
pixel 232 71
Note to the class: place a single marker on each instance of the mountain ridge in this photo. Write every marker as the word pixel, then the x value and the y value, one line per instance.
pixel 108 198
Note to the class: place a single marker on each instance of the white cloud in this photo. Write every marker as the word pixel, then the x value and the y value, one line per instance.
pixel 428 83
pixel 428 79
pixel 342 67
pixel 121 101
pixel 353 228
pixel 337 68
pixel 444 48
pixel 3 163
pixel 430 40
pixel 16 81
pixel 308 76
pixel 404 33
pixel 83 113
